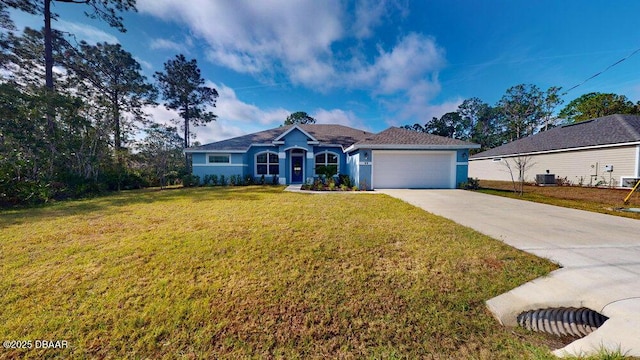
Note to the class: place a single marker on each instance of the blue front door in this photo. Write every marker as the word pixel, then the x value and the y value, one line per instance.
pixel 296 169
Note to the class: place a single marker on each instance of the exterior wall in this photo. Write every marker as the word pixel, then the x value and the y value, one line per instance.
pixel 462 166
pixel 360 170
pixel 585 167
pixel 244 164
pixel 342 159
pixel 365 180
pixel 250 158
pixel 201 168
pixel 310 166
pixel 353 166
pixel 293 140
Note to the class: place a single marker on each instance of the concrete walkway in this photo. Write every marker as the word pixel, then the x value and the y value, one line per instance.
pixel 599 255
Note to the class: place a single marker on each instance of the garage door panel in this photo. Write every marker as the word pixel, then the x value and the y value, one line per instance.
pixel 413 169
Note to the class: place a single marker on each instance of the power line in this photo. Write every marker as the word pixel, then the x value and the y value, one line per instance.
pixel 600 72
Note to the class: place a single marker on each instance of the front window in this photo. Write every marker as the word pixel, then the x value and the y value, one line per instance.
pixel 327 159
pixel 267 164
pixel 219 159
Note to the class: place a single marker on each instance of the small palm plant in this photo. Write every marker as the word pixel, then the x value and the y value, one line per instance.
pixel 327 172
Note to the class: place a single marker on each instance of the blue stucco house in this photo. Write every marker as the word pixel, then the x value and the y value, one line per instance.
pixel 393 158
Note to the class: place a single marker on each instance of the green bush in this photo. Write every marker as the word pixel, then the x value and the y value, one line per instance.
pixel 470 184
pixel 344 179
pixel 236 180
pixel 326 172
pixel 190 180
pixel 208 180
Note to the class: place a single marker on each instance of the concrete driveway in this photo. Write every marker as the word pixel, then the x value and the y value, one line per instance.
pixel 599 255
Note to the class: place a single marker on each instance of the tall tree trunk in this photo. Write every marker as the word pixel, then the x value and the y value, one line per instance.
pixel 48 47
pixel 48 65
pixel 117 139
pixel 186 139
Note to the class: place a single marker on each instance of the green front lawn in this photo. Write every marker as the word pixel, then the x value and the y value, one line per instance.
pixel 255 272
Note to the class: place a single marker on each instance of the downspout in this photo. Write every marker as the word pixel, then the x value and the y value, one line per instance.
pixel 637 175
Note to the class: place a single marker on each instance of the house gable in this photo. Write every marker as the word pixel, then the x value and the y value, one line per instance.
pixel 293 130
pixel 295 138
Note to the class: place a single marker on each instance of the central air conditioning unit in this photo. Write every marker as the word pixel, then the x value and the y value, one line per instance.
pixel 628 182
pixel 546 179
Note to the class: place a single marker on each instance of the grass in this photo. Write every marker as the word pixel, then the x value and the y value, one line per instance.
pixel 254 272
pixel 602 200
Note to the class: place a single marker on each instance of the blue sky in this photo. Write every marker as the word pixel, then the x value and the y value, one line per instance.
pixel 372 64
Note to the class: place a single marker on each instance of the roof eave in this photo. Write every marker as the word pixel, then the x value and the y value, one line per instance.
pixel 212 151
pixel 555 150
pixel 410 147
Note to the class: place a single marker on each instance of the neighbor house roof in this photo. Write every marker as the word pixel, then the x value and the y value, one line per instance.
pixel 403 138
pixel 325 134
pixel 602 131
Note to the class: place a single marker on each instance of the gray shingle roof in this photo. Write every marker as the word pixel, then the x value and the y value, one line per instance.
pixel 612 129
pixel 324 133
pixel 400 136
pixel 338 135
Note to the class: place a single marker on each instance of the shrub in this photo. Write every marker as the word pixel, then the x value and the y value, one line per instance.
pixel 326 172
pixel 248 180
pixel 470 184
pixel 262 181
pixel 563 181
pixel 190 180
pixel 223 180
pixel 235 180
pixel 344 179
pixel 274 180
pixel 206 180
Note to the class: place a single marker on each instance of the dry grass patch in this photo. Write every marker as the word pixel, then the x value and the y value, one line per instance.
pixel 255 272
pixel 602 200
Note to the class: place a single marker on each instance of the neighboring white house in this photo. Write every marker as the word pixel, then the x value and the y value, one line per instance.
pixel 601 151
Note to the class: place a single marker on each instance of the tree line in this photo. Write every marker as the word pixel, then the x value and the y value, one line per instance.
pixel 73 121
pixel 72 116
pixel 522 111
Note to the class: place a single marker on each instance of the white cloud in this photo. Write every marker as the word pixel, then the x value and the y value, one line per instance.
pixel 229 107
pixel 368 14
pixel 85 32
pixel 218 130
pixel 145 64
pixel 164 44
pixel 269 36
pixel 414 58
pixel 271 39
pixel 421 112
pixel 265 31
pixel 162 115
pixel 338 116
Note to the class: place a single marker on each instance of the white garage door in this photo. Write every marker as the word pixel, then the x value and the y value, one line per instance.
pixel 414 169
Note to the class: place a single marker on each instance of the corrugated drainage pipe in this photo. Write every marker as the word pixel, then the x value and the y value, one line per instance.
pixel 562 321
